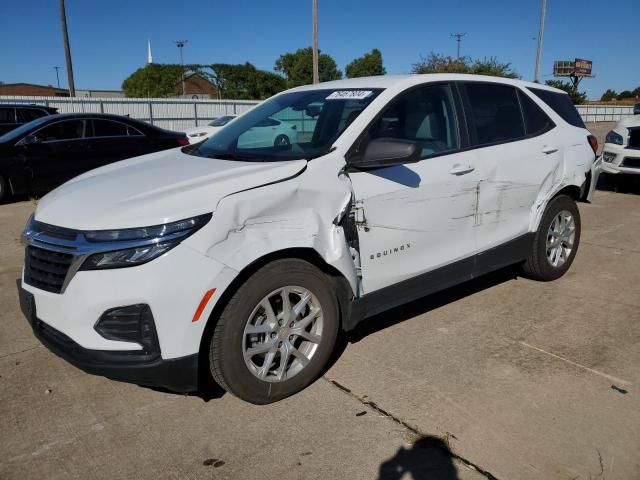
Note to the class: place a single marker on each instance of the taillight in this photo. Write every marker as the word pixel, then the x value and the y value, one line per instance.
pixel 593 141
pixel 183 141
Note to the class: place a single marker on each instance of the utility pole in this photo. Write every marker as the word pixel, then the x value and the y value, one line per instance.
pixel 316 77
pixel 57 75
pixel 180 44
pixel 67 49
pixel 543 12
pixel 458 37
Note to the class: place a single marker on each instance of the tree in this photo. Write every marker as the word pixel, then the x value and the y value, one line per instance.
pixel 297 67
pixel 367 65
pixel 154 80
pixel 625 94
pixel 438 63
pixel 608 95
pixel 577 97
pixel 246 82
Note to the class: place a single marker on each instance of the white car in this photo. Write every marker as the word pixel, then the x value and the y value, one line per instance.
pixel 621 151
pixel 245 263
pixel 270 132
pixel 198 134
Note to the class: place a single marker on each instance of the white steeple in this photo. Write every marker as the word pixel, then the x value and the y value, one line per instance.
pixel 149 56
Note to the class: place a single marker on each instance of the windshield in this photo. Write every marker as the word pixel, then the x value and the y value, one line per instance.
pixel 221 121
pixel 290 126
pixel 17 133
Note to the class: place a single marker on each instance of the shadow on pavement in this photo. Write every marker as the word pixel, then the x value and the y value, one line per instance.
pixel 431 302
pixel 429 458
pixel 619 183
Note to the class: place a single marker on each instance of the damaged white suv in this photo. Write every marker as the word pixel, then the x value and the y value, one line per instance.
pixel 245 262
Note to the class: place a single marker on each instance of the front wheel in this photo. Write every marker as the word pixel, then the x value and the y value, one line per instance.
pixel 276 333
pixel 281 141
pixel 556 241
pixel 4 192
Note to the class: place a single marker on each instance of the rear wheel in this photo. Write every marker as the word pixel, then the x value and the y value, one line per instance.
pixel 281 141
pixel 276 333
pixel 556 241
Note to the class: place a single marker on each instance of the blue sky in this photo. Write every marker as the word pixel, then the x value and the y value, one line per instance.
pixel 109 38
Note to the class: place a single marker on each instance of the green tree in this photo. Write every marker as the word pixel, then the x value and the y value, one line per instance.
pixel 625 94
pixel 608 95
pixel 438 63
pixel 297 67
pixel 367 65
pixel 491 66
pixel 576 96
pixel 154 80
pixel 246 82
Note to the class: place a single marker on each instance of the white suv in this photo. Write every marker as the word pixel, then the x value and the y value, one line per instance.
pixel 245 263
pixel 621 151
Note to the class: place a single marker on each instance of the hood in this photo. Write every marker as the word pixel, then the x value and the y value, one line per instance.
pixel 154 189
pixel 628 122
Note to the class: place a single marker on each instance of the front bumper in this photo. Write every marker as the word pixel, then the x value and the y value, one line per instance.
pixel 614 156
pixel 133 366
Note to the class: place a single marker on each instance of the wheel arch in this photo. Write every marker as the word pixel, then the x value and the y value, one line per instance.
pixel 340 285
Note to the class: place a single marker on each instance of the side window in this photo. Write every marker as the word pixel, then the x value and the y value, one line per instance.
pixel 561 104
pixel 268 122
pixel 425 115
pixel 7 115
pixel 26 115
pixel 107 128
pixel 68 130
pixel 134 132
pixel 536 121
pixel 495 113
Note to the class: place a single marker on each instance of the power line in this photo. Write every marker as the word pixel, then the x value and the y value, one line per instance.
pixel 57 75
pixel 458 37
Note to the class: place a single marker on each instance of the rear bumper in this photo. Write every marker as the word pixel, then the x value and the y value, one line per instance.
pixel 133 366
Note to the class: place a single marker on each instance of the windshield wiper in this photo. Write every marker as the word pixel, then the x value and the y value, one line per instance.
pixel 319 154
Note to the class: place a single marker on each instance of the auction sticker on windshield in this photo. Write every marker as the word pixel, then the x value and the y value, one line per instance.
pixel 349 95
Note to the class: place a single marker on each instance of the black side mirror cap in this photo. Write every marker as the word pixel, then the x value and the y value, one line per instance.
pixel 386 152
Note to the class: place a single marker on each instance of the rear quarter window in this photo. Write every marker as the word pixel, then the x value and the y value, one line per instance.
pixel 561 104
pixel 536 122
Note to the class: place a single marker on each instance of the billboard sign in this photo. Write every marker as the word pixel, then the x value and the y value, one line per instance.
pixel 582 68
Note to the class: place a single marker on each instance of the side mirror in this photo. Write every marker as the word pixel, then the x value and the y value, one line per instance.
pixel 312 111
pixel 385 152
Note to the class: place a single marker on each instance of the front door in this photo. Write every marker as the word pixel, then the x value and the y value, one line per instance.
pixel 418 217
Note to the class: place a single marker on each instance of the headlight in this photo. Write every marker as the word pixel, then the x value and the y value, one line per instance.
pixel 139 245
pixel 613 137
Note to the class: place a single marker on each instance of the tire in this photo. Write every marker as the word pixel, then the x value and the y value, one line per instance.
pixel 4 189
pixel 556 242
pixel 281 141
pixel 246 326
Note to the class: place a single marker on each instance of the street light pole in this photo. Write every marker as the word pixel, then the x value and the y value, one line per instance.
pixel 67 49
pixel 57 75
pixel 180 44
pixel 316 77
pixel 543 12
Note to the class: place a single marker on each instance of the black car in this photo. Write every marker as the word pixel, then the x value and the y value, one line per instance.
pixel 12 116
pixel 636 109
pixel 45 153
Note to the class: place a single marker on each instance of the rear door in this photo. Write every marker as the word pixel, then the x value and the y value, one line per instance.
pixel 518 155
pixel 57 154
pixel 417 217
pixel 112 141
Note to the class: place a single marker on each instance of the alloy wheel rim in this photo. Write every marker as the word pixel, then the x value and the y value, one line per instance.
pixel 282 334
pixel 560 238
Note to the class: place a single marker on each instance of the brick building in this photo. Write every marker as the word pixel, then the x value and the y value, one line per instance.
pixel 32 90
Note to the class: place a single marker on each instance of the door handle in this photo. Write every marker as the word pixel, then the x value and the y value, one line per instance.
pixel 548 150
pixel 458 169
